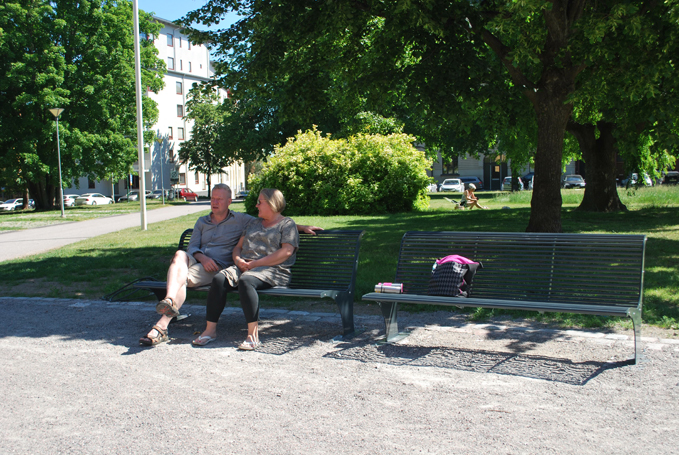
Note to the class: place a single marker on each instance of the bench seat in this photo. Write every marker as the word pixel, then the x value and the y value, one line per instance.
pixel 599 274
pixel 325 267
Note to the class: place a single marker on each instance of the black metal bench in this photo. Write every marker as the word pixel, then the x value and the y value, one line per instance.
pixel 600 274
pixel 326 267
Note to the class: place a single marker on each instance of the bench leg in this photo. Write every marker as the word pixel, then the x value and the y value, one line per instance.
pixel 345 305
pixel 635 314
pixel 390 314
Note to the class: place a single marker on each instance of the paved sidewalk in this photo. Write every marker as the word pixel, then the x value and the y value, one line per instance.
pixel 76 381
pixel 17 244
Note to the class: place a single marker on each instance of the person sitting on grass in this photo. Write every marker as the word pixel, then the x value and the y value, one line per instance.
pixel 210 250
pixel 469 199
pixel 263 258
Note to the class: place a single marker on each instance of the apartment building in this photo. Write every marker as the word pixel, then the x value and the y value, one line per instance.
pixel 187 64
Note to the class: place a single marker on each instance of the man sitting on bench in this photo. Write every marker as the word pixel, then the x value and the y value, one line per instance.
pixel 209 251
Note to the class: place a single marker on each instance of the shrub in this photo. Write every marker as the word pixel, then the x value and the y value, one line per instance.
pixel 364 174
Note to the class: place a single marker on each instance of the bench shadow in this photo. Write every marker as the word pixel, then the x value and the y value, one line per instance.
pixel 278 336
pixel 476 360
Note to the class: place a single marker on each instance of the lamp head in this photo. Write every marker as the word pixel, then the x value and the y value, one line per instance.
pixel 56 112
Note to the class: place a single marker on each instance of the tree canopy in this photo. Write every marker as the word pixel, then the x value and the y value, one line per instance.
pixel 78 56
pixel 461 75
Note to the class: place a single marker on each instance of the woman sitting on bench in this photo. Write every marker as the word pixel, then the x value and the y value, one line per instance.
pixel 262 258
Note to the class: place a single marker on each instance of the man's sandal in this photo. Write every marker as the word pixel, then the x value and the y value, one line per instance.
pixel 151 340
pixel 167 307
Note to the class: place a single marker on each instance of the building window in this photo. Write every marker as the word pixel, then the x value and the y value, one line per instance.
pixel 189 44
pixel 180 134
pixel 450 167
pixel 169 133
pixel 181 65
pixel 170 63
pixel 179 88
pixel 197 178
pixel 170 40
pixel 189 67
pixel 182 178
pixel 180 110
pixel 90 184
pixel 180 41
pixel 201 66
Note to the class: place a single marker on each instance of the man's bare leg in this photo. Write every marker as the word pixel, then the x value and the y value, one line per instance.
pixel 176 287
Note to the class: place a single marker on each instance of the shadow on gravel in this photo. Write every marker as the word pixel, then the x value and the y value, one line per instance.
pixel 478 361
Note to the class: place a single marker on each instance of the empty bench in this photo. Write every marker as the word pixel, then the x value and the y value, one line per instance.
pixel 325 267
pixel 599 274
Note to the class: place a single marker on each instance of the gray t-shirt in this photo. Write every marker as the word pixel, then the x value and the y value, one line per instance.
pixel 217 241
pixel 260 242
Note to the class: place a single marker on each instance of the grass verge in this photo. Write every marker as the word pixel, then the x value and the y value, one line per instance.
pixel 98 266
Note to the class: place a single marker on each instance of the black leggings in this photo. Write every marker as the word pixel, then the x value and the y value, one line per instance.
pixel 247 289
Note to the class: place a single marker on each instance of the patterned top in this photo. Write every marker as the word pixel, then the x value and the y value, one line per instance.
pixel 260 242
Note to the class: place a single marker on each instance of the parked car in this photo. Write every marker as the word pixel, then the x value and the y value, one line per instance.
pixel 158 194
pixel 12 204
pixel 507 183
pixel 132 196
pixel 455 185
pixel 671 177
pixel 475 180
pixel 633 179
pixel 93 199
pixel 242 194
pixel 573 181
pixel 69 199
pixel 528 180
pixel 187 194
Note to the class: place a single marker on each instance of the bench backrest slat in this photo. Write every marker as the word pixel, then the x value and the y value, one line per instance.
pixel 328 260
pixel 567 268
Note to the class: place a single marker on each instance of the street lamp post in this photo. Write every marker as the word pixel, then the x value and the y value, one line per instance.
pixel 159 140
pixel 56 112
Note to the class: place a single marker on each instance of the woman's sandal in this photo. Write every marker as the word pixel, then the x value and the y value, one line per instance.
pixel 166 307
pixel 248 345
pixel 151 340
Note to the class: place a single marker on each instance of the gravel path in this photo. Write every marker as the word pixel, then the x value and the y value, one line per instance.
pixel 74 380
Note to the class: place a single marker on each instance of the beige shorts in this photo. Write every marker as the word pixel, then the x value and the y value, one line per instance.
pixel 198 276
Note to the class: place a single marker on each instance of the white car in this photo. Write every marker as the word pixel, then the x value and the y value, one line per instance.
pixel 455 185
pixel 69 199
pixel 93 199
pixel 13 204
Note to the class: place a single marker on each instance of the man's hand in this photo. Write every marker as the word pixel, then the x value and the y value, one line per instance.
pixel 208 263
pixel 308 229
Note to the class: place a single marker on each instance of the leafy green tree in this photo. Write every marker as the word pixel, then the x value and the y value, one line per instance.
pixel 204 149
pixel 452 71
pixel 78 56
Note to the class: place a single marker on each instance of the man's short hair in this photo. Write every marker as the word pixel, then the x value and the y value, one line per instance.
pixel 223 186
pixel 275 199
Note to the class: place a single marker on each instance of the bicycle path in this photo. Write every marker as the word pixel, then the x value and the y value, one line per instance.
pixel 17 244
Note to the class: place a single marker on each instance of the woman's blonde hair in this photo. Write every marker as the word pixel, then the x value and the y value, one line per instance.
pixel 275 199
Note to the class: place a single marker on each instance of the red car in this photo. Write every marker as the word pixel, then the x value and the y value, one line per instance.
pixel 187 194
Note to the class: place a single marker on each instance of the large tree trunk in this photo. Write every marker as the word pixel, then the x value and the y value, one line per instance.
pixel 552 116
pixel 43 193
pixel 601 193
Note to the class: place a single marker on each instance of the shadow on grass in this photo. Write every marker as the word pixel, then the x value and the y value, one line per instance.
pixel 108 267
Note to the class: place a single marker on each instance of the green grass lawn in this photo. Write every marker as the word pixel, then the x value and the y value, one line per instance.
pixel 98 266
pixel 20 219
